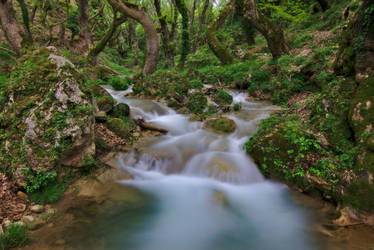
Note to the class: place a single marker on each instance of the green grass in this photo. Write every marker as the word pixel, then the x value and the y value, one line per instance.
pixel 14 236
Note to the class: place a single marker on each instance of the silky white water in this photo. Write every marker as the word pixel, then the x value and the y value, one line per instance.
pixel 205 192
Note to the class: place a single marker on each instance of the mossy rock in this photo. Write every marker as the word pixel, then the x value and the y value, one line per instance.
pixel 120 110
pixel 222 97
pixel 105 103
pixel 122 127
pixel 360 195
pixel 99 91
pixel 220 125
pixel 103 72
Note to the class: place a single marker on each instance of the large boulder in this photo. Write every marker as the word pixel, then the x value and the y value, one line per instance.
pixel 220 125
pixel 48 117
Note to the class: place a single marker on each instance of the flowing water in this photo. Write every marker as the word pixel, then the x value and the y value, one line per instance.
pixel 203 192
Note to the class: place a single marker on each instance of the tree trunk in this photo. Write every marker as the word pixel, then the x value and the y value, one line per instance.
pixel 134 41
pixel 10 26
pixel 165 34
pixel 215 45
pixel 192 15
pixel 83 22
pixel 324 4
pixel 94 52
pixel 201 22
pixel 185 45
pixel 152 39
pixel 26 20
pixel 271 31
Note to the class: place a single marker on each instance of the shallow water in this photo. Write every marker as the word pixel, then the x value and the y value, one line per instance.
pixel 203 191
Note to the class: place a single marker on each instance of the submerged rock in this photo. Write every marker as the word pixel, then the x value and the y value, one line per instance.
pixel 220 125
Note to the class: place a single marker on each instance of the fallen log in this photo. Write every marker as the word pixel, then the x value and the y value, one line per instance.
pixel 145 125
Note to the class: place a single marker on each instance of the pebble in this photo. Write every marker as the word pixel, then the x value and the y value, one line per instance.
pixel 6 223
pixel 37 208
pixel 28 219
pixel 136 134
pixel 22 195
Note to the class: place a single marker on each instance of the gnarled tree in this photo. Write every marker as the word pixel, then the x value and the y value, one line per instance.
pixel 271 31
pixel 153 41
pixel 201 22
pixel 215 45
pixel 11 27
pixel 94 52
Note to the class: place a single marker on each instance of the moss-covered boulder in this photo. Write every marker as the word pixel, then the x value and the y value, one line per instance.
pixel 222 97
pixel 120 110
pixel 48 117
pixel 361 118
pixel 220 125
pixel 105 103
pixel 99 91
pixel 122 127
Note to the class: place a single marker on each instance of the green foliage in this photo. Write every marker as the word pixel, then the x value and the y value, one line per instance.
pixel 72 22
pixel 237 106
pixel 14 236
pixel 222 97
pixel 36 180
pixel 49 194
pixel 117 82
pixel 197 102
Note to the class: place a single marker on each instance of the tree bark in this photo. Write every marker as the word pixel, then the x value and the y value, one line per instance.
pixel 152 39
pixel 271 31
pixel 201 22
pixel 83 22
pixel 95 51
pixel 11 28
pixel 165 34
pixel 185 46
pixel 134 41
pixel 215 45
pixel 192 15
pixel 324 4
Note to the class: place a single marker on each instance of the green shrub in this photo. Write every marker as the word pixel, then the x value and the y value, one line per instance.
pixel 36 180
pixel 222 97
pixel 197 102
pixel 49 194
pixel 237 106
pixel 14 236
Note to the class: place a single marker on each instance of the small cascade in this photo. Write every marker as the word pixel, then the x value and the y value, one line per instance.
pixel 208 193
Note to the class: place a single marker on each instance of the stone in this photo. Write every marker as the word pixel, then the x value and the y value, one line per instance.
pixel 37 208
pixel 105 103
pixel 20 208
pixel 220 125
pixel 51 211
pixel 121 110
pixel 136 134
pixel 38 223
pixel 28 219
pixel 22 195
pixel 6 223
pixel 100 116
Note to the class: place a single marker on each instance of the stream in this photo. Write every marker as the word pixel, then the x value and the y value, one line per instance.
pixel 203 191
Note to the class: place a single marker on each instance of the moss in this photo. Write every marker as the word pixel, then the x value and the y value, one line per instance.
pixel 121 110
pixel 197 102
pixel 98 91
pixel 220 125
pixel 122 128
pixel 360 195
pixel 105 103
pixel 222 97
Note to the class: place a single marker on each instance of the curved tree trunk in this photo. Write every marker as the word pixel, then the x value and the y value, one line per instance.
pixel 201 22
pixel 165 34
pixel 134 40
pixel 215 45
pixel 95 51
pixel 185 46
pixel 271 31
pixel 153 41
pixel 10 26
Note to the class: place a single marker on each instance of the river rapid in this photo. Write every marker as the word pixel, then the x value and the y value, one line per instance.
pixel 203 191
